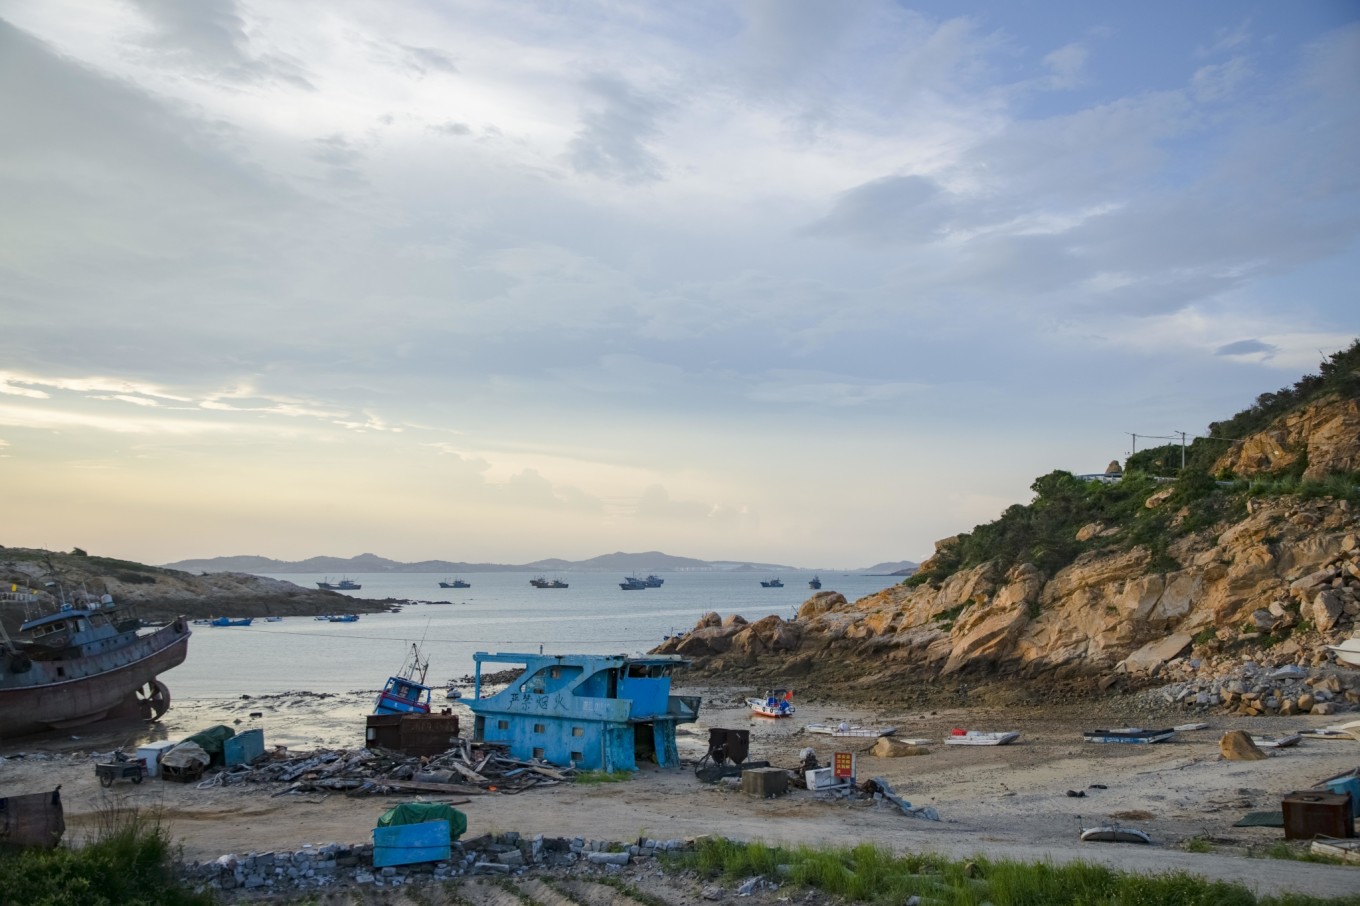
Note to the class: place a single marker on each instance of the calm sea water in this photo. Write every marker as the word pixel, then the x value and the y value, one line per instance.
pixel 501 612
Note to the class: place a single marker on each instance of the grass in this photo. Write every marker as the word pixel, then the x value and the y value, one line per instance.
pixel 871 874
pixel 130 861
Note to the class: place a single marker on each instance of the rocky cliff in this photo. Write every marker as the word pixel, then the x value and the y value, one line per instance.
pixel 1270 579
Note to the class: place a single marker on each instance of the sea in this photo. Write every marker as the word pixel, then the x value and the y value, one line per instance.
pixel 501 613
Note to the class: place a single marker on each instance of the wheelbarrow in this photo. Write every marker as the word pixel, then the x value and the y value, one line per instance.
pixel 121 768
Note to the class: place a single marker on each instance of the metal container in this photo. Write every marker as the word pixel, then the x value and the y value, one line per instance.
pixel 151 754
pixel 413 734
pixel 1317 813
pixel 1347 785
pixel 765 782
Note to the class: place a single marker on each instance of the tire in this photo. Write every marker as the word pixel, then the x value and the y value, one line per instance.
pixel 136 778
pixel 106 779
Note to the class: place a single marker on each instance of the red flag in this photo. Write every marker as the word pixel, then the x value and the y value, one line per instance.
pixel 788 696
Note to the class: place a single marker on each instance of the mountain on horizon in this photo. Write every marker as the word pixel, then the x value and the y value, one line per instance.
pixel 619 561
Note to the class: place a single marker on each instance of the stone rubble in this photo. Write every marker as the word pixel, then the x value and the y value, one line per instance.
pixel 326 866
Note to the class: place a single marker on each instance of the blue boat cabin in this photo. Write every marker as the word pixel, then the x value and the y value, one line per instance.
pixel 403 695
pixel 594 712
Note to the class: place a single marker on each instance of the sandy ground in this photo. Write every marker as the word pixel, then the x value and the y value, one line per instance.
pixel 1001 802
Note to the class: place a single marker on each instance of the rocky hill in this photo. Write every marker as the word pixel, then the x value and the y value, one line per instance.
pixel 46 578
pixel 1247 555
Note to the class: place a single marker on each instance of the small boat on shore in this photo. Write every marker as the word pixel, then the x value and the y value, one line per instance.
pixel 844 729
pixel 454 583
pixel 1348 652
pixel 961 737
pixel 771 583
pixel 231 621
pixel 1329 733
pixel 406 692
pixel 778 703
pixel 273 619
pixel 1277 742
pixel 1114 833
pixel 1132 735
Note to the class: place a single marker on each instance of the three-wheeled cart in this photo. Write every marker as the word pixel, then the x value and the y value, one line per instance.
pixel 121 768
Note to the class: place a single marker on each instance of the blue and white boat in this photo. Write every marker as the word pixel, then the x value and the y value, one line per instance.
pixel 406 692
pixel 232 621
pixel 344 618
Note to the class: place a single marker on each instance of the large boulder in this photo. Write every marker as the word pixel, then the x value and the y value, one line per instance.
pixel 887 747
pixel 1237 745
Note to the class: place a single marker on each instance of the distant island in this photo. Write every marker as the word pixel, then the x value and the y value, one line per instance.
pixel 647 561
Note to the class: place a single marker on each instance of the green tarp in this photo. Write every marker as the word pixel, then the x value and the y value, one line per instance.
pixel 420 812
pixel 211 740
pixel 1262 819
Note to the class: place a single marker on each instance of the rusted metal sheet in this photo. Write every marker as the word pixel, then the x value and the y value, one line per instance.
pixel 413 734
pixel 32 819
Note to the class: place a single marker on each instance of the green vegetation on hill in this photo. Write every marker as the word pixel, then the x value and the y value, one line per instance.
pixel 1044 531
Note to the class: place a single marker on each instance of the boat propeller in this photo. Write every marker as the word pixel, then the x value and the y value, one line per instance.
pixel 153 699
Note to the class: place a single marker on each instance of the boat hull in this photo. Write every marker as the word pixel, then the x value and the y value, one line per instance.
pixel 1129 737
pixel 92 687
pixel 974 738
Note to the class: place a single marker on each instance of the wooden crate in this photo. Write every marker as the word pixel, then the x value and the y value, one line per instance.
pixel 765 782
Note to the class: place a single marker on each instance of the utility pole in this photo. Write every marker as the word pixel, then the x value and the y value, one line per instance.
pixel 1182 434
pixel 1135 441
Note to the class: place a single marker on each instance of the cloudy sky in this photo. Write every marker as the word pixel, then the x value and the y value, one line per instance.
pixel 794 281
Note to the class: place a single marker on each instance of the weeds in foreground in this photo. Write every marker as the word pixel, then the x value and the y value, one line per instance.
pixel 1199 845
pixel 130 860
pixel 870 874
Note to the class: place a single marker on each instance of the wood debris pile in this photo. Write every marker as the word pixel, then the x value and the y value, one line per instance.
pixel 464 769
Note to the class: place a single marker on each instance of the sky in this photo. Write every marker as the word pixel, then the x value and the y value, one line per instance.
pixel 790 281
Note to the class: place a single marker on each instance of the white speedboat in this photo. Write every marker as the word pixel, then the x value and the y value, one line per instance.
pixel 846 729
pixel 1348 652
pixel 1114 833
pixel 959 737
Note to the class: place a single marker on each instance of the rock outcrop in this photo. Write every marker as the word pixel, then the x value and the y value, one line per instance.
pixel 1285 579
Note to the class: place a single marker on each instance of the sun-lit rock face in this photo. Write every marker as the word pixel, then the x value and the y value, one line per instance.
pixel 1327 432
pixel 1289 563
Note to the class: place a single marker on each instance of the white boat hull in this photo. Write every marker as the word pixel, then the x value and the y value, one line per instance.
pixel 976 738
pixel 1114 834
pixel 858 732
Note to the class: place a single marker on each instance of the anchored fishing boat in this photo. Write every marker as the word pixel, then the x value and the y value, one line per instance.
pixel 82 663
pixel 1132 735
pixel 231 621
pixel 961 737
pixel 778 703
pixel 454 583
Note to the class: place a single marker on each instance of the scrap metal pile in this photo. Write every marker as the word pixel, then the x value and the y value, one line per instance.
pixel 465 769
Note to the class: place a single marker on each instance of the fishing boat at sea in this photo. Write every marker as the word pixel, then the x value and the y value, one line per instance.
pixel 342 585
pixel 771 583
pixel 961 737
pixel 1129 735
pixel 815 583
pixel 454 583
pixel 541 582
pixel 778 703
pixel 82 663
pixel 654 581
pixel 633 583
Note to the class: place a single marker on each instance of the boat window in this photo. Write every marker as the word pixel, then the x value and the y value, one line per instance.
pixel 82 625
pixel 539 753
pixel 538 728
pixel 502 725
pixel 555 673
pixel 578 731
pixel 578 756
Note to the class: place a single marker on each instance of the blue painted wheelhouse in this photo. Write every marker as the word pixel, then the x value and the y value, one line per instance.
pixel 406 693
pixel 594 712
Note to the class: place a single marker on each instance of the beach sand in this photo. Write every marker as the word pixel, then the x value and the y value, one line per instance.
pixel 1001 802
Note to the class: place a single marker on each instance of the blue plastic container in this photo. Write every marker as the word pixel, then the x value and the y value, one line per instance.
pixel 1347 785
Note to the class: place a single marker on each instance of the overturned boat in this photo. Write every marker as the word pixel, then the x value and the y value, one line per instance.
pixel 83 663
pixel 1129 735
